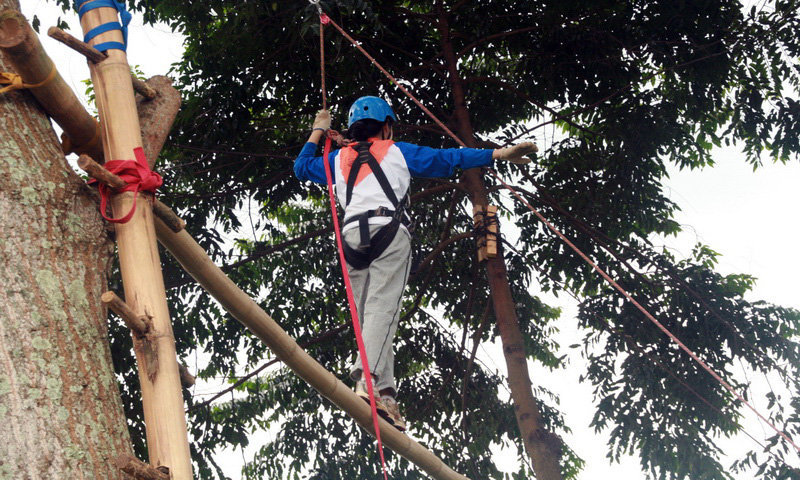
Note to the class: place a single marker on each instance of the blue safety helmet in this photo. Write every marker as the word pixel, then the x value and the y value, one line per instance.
pixel 374 108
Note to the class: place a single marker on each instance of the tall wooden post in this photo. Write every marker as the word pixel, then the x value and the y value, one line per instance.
pixel 140 265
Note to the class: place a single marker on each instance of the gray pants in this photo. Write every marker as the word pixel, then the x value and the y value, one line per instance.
pixel 378 290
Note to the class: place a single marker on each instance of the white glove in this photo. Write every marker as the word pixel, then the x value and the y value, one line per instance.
pixel 516 153
pixel 322 120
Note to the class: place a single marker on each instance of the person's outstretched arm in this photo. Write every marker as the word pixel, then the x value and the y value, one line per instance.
pixel 307 166
pixel 430 162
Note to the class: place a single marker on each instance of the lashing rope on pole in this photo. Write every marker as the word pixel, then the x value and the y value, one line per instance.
pixel 561 236
pixel 15 81
pixel 323 20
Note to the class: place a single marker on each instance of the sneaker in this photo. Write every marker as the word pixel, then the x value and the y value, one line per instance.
pixel 389 413
pixel 393 412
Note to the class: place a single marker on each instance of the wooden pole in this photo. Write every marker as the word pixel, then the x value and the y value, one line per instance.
pixel 197 263
pixel 23 50
pixel 167 441
pixel 139 324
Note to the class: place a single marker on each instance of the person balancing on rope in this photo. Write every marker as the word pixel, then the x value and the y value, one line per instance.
pixel 372 176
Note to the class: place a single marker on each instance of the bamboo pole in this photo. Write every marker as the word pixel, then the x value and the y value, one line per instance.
pixel 23 50
pixel 197 263
pixel 167 441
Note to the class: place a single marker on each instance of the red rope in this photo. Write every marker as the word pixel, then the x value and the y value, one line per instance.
pixel 599 270
pixel 362 350
pixel 137 175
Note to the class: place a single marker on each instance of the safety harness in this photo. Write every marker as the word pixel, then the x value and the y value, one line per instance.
pixel 370 248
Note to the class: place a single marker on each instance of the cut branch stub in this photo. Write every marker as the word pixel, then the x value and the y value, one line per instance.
pixel 140 470
pixel 187 379
pixel 139 324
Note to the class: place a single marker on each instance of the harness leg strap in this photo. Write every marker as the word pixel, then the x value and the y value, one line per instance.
pixel 363 228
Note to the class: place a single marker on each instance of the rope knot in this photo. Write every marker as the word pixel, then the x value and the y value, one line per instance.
pixel 137 175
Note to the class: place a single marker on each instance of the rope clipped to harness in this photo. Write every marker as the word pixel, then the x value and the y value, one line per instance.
pixel 124 16
pixel 137 175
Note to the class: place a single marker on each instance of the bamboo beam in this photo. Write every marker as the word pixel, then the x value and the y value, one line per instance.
pixel 195 261
pixel 140 470
pixel 162 399
pixel 96 56
pixel 23 50
pixel 170 218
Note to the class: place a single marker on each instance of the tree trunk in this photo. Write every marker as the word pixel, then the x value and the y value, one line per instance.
pixel 60 409
pixel 543 446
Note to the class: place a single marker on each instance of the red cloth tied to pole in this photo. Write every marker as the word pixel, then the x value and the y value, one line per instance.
pixel 137 175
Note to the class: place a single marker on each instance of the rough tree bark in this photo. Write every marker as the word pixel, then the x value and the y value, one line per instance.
pixel 543 446
pixel 60 410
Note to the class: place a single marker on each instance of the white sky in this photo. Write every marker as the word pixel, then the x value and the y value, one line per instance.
pixel 747 216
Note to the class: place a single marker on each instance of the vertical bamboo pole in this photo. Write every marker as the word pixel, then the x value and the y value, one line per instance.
pixel 140 265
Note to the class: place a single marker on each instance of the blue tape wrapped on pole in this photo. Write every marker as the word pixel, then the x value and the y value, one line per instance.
pixel 124 16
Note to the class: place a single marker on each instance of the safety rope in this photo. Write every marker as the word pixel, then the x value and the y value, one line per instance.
pixel 560 235
pixel 15 81
pixel 137 175
pixel 367 372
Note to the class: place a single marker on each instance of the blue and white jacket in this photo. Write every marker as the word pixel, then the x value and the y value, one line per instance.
pixel 400 161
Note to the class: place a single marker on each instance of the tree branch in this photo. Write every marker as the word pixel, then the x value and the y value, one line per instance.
pixel 477 42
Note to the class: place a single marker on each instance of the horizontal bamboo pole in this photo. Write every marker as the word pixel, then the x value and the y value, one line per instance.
pixel 23 50
pixel 96 56
pixel 197 263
